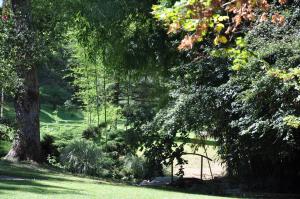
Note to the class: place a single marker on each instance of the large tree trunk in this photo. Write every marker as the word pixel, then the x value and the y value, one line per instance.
pixel 26 144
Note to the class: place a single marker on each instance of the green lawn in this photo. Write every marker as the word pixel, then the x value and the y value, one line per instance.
pixel 61 123
pixel 45 183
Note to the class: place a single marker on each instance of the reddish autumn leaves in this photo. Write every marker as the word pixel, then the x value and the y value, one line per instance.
pixel 199 18
pixel 282 2
pixel 4 18
pixel 278 19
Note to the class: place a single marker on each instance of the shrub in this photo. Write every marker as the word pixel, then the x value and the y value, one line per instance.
pixel 5 132
pixel 49 148
pixel 69 105
pixel 134 167
pixel 93 132
pixel 63 139
pixel 115 144
pixel 106 160
pixel 7 129
pixel 81 156
pixel 106 166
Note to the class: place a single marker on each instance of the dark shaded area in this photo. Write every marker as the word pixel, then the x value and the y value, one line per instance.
pixel 29 172
pixel 45 117
pixel 34 187
pixel 26 176
pixel 48 147
pixel 219 187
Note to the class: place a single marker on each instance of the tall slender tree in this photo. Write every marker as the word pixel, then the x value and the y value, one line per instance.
pixel 2 103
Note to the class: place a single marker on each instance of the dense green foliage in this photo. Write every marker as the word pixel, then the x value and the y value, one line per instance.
pixel 246 95
pixel 110 161
pixel 119 101
pixel 81 157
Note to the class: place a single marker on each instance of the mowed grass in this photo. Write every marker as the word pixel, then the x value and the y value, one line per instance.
pixel 58 123
pixel 36 182
pixel 62 124
pixel 40 182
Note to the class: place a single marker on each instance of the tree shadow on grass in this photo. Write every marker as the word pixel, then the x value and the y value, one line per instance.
pixel 46 117
pixel 34 187
pixel 169 189
pixel 70 115
pixel 248 195
pixel 189 191
pixel 31 172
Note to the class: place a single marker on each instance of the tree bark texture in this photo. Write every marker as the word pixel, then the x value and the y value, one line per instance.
pixel 26 145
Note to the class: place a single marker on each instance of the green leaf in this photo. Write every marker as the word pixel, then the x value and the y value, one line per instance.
pixel 219 27
pixel 223 18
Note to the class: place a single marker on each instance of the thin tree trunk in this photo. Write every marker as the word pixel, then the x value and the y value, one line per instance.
pixel 117 93
pixel 128 95
pixel 105 101
pixel 128 89
pixel 97 96
pixel 88 105
pixel 90 117
pixel 26 145
pixel 2 103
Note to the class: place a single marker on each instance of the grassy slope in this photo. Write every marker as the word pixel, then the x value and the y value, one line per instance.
pixel 44 183
pixel 57 123
pixel 63 122
pixel 66 124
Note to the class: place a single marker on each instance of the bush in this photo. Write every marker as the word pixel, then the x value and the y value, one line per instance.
pixel 115 144
pixel 69 105
pixel 49 149
pixel 107 167
pixel 81 156
pixel 108 160
pixel 7 129
pixel 5 132
pixel 93 132
pixel 134 167
pixel 63 139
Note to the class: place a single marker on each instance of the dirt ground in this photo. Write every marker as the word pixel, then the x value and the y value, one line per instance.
pixel 193 168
